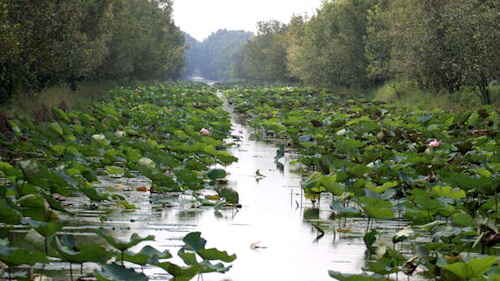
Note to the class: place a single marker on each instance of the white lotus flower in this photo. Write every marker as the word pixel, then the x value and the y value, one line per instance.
pixel 147 162
pixel 99 137
pixel 120 134
pixel 342 132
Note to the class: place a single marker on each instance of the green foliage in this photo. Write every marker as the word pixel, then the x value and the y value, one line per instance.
pixel 215 174
pixel 82 253
pixel 438 53
pixel 115 272
pixel 216 57
pixel 358 44
pixel 153 131
pixel 437 168
pixel 472 269
pixel 124 245
pixel 67 42
pixel 18 256
pixel 263 58
pixel 195 247
pixel 330 51
pixel 147 255
pixel 351 277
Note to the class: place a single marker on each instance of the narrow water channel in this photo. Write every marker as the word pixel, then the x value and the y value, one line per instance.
pixel 272 234
pixel 274 213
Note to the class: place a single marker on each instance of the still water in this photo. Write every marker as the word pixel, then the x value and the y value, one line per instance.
pixel 274 216
pixel 296 241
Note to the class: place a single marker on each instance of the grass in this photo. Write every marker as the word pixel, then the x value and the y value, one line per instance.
pixel 38 104
pixel 408 94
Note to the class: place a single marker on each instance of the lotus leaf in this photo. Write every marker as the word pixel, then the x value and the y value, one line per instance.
pixel 115 272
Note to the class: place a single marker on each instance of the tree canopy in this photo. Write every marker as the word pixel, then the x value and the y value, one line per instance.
pixel 47 42
pixel 441 45
pixel 215 57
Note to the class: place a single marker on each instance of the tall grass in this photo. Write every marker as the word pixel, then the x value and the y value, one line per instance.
pixel 32 105
pixel 408 94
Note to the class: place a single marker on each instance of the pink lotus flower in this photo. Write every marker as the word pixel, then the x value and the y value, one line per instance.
pixel 205 132
pixel 434 143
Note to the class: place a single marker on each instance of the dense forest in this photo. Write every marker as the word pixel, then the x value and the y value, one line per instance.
pixel 438 45
pixel 50 42
pixel 215 57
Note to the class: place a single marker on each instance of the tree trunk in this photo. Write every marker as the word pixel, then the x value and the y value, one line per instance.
pixel 484 90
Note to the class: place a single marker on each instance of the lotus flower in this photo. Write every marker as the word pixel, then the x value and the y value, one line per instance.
pixel 434 143
pixel 147 162
pixel 120 133
pixel 342 132
pixel 205 132
pixel 99 137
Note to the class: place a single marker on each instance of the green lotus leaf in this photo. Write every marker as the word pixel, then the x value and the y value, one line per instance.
pixel 377 208
pixel 9 214
pixel 471 269
pixel 187 273
pixel 115 171
pixel 195 241
pixel 115 272
pixel 353 277
pixel 46 229
pixel 342 211
pixel 124 245
pixel 19 256
pixel 34 201
pixel 81 253
pixel 10 171
pixel 230 195
pixel 56 128
pixel 449 192
pixel 381 188
pixel 214 254
pixel 216 174
pixel 147 255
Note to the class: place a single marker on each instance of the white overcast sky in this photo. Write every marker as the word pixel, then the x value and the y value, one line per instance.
pixel 200 18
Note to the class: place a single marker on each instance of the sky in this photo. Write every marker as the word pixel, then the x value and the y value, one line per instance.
pixel 200 18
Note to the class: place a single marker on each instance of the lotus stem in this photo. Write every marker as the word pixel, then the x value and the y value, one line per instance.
pixel 46 246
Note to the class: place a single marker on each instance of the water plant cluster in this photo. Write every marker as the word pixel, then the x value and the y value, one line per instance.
pixel 437 171
pixel 171 134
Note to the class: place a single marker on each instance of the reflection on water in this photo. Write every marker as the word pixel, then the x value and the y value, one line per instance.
pixel 301 242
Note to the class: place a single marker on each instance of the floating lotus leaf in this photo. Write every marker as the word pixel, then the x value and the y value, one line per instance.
pixel 216 174
pixel 115 272
pixel 352 277
pixel 82 253
pixel 19 256
pixel 122 245
pixel 147 255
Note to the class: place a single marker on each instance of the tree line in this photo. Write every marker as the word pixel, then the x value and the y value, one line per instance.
pixel 215 57
pixel 49 42
pixel 441 45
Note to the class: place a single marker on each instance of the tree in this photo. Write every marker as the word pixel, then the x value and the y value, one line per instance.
pixel 48 42
pixel 51 42
pixel 332 51
pixel 473 36
pixel 440 44
pixel 264 58
pixel 145 43
pixel 216 56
